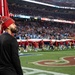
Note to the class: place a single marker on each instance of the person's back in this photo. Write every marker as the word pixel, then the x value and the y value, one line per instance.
pixel 9 58
pixel 6 50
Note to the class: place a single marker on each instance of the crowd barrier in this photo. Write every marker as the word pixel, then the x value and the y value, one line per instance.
pixel 45 40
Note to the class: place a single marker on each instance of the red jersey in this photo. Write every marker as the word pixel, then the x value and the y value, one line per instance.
pixel 35 44
pixel 41 43
pixel 20 43
pixel 26 43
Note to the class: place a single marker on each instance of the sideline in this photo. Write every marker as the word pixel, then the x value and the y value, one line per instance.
pixel 32 71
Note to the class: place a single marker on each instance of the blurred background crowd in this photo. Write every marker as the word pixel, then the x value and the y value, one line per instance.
pixel 44 30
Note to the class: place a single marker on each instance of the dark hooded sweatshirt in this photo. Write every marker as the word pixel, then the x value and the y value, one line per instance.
pixel 9 58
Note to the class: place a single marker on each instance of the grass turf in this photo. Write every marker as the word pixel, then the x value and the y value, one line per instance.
pixel 27 60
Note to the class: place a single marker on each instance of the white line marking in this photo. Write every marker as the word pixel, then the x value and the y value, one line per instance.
pixel 32 71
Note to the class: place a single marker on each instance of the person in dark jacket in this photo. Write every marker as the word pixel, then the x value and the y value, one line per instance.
pixel 9 58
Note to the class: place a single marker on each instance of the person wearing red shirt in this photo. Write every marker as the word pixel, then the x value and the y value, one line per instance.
pixel 26 45
pixel 21 46
pixel 51 45
pixel 67 44
pixel 41 44
pixel 56 45
pixel 35 45
pixel 61 46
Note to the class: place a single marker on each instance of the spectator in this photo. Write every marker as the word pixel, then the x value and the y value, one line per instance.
pixel 9 58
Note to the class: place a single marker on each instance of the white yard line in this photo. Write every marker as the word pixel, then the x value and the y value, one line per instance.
pixel 32 71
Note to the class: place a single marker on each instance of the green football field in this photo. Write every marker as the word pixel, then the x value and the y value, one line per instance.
pixel 48 62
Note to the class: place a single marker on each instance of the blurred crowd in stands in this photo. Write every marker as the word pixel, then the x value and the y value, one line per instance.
pixel 68 3
pixel 44 30
pixel 30 9
pixel 39 29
